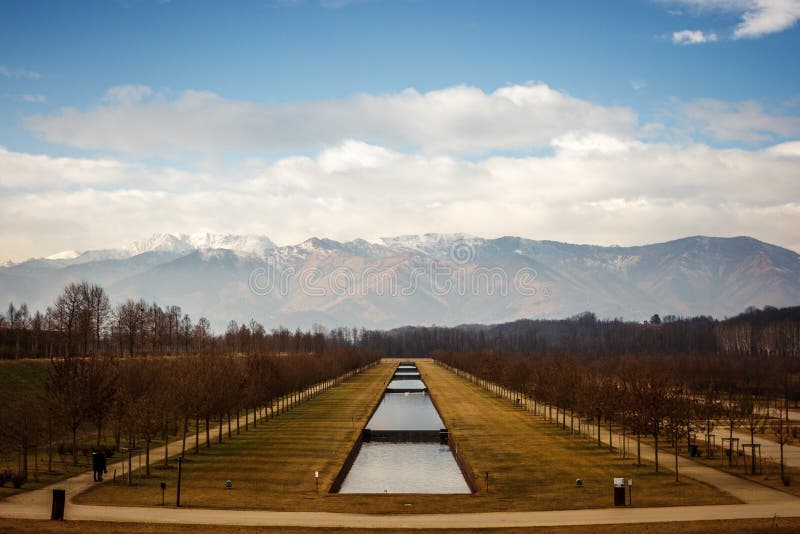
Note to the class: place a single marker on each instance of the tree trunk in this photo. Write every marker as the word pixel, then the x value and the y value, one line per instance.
pixel 599 443
pixel 99 430
pixel 656 450
pixel 183 441
pixel 74 445
pixel 730 445
pixel 166 444
pixel 49 444
pixel 147 456
pixel 676 456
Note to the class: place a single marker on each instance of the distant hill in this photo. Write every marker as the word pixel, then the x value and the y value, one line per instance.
pixel 443 279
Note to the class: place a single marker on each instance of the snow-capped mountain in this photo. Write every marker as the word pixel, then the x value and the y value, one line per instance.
pixel 419 279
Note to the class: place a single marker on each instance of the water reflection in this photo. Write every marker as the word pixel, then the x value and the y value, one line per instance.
pixel 406 385
pixel 404 468
pixel 398 411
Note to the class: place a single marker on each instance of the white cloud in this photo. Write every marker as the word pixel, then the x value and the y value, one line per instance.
pixel 789 150
pixel 737 121
pixel 459 119
pixel 19 170
pixel 19 73
pixel 758 17
pixel 593 143
pixel 768 16
pixel 689 37
pixel 127 94
pixel 34 99
pixel 37 172
pixel 585 192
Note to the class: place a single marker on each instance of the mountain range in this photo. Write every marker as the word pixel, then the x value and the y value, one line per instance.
pixel 443 279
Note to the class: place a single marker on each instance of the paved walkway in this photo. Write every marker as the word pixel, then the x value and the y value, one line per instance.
pixel 770 450
pixel 759 502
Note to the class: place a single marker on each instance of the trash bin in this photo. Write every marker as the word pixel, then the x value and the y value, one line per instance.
pixel 693 451
pixel 619 492
pixel 59 497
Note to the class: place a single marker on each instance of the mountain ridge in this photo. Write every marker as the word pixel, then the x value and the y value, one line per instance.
pixel 392 281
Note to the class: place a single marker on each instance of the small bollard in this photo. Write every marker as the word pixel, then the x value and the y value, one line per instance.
pixel 59 498
pixel 163 491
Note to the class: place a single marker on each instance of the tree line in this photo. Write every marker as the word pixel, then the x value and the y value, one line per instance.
pixel 81 321
pixel 93 397
pixel 673 399
pixel 769 332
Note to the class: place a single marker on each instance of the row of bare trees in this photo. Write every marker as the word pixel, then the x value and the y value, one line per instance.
pixel 669 398
pixel 82 321
pixel 99 392
pixel 103 401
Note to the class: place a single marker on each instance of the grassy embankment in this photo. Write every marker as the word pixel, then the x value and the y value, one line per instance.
pixel 271 466
pixel 532 465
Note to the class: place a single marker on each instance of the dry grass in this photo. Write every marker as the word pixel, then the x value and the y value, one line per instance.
pixel 533 465
pixel 271 466
pixel 697 527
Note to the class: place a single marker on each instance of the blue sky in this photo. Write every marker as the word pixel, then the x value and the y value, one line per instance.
pixel 267 100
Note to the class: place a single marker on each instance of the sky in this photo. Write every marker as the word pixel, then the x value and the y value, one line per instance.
pixel 622 122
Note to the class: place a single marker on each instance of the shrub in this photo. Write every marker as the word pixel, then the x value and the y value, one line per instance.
pixel 5 476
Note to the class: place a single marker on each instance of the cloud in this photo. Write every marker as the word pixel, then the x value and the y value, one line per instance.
pixel 338 4
pixel 737 121
pixel 20 171
pixel 127 94
pixel 638 84
pixel 757 17
pixel 688 37
pixel 460 119
pixel 19 73
pixel 595 188
pixel 34 99
pixel 767 16
pixel 28 98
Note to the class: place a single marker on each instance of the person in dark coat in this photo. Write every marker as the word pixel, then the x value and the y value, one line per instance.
pixel 103 464
pixel 96 471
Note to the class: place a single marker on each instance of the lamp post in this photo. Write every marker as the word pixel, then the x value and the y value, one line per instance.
pixel 630 492
pixel 316 481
